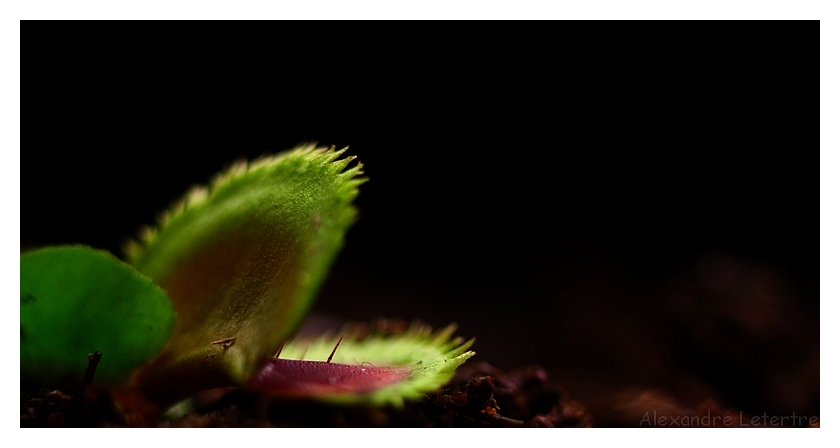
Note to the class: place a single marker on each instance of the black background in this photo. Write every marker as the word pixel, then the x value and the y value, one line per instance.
pixel 525 181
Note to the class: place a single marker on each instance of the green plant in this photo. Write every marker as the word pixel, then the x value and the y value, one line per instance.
pixel 240 263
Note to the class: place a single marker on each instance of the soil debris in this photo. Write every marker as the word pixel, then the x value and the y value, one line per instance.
pixel 480 395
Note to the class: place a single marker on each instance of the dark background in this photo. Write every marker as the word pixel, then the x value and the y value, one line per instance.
pixel 627 206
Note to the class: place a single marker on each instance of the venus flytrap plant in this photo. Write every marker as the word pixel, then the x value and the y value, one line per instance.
pixel 240 262
pixel 396 367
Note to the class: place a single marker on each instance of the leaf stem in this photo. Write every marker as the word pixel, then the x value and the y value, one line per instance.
pixel 93 361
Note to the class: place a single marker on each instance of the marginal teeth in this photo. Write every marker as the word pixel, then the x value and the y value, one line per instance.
pixel 198 195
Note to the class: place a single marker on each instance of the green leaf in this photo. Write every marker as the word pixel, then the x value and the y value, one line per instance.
pixel 74 301
pixel 242 261
pixel 377 369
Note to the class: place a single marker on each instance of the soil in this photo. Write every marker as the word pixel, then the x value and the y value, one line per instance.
pixel 480 395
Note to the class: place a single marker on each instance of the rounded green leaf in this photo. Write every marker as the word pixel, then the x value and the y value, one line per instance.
pixel 74 301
